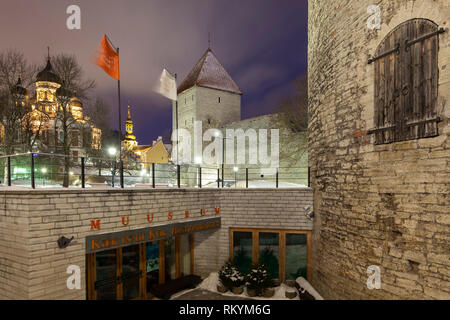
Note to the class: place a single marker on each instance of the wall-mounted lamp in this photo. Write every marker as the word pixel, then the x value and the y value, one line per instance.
pixel 64 242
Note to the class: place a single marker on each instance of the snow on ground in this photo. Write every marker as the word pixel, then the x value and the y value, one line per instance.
pixel 308 287
pixel 210 284
pixel 271 184
pixel 259 184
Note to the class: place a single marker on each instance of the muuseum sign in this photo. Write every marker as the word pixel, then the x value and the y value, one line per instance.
pixel 114 240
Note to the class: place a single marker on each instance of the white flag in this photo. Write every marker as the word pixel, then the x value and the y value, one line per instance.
pixel 167 86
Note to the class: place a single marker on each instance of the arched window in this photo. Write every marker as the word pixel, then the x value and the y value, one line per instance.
pixel 406 83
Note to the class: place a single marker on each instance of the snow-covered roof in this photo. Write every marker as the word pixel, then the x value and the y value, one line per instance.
pixel 209 73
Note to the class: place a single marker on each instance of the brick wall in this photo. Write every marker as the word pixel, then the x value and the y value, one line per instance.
pixel 384 205
pixel 33 267
pixel 14 247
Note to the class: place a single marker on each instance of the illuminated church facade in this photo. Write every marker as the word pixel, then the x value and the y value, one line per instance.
pixel 157 152
pixel 44 115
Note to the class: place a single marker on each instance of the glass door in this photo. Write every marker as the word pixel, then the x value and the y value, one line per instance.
pixel 170 260
pixel 106 275
pixel 152 265
pixel 130 272
pixel 296 256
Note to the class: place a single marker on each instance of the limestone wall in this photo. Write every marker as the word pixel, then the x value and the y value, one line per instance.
pixel 386 205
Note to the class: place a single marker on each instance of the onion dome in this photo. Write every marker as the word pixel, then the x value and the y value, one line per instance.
pixel 47 74
pixel 75 102
pixel 18 89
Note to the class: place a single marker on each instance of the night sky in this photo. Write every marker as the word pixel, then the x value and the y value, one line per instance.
pixel 261 43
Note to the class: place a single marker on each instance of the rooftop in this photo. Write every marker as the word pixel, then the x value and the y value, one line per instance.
pixel 209 73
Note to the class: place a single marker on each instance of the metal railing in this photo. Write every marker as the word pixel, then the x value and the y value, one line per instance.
pixel 42 170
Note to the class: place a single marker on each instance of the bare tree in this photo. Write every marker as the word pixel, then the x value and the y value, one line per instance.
pixel 33 128
pixel 71 75
pixel 292 113
pixel 99 116
pixel 294 110
pixel 15 74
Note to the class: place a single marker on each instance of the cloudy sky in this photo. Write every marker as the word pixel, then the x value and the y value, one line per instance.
pixel 261 43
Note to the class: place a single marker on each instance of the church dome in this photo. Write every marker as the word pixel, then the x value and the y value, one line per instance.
pixel 18 89
pixel 75 102
pixel 48 75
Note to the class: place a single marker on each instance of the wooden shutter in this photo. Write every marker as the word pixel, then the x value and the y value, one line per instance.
pixel 406 83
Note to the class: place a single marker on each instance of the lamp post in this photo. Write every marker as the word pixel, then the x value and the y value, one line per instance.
pixel 112 152
pixel 44 171
pixel 223 153
pixel 235 169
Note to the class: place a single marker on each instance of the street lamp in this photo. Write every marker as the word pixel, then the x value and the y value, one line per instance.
pixel 44 171
pixel 112 152
pixel 217 134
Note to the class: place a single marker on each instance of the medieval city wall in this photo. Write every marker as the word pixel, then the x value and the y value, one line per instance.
pixel 386 205
pixel 32 266
pixel 293 153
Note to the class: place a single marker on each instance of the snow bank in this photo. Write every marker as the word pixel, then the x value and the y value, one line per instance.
pixel 210 284
pixel 308 287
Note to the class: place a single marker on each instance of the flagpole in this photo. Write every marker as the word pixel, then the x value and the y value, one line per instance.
pixel 176 117
pixel 120 126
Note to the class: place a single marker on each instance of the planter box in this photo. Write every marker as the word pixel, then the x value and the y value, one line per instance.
pixel 268 293
pixel 221 288
pixel 238 290
pixel 251 292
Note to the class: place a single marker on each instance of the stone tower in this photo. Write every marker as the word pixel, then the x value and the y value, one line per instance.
pixel 207 94
pixel 379 148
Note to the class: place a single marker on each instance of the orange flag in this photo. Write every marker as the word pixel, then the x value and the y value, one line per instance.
pixel 108 59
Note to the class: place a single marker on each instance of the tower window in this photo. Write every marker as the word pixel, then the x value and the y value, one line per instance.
pixel 219 99
pixel 406 83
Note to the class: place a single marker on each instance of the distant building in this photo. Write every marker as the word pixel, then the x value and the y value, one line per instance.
pixel 46 120
pixel 155 153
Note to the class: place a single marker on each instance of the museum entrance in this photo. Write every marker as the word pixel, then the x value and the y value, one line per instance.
pixel 130 272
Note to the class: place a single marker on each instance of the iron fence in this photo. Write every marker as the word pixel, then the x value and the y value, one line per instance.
pixel 42 170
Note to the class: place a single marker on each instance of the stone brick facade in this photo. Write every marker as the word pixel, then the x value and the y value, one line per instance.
pixel 32 266
pixel 386 205
pixel 202 104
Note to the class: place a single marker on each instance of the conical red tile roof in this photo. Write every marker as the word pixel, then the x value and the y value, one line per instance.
pixel 209 73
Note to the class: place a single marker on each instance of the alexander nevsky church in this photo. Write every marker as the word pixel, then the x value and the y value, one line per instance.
pixel 46 119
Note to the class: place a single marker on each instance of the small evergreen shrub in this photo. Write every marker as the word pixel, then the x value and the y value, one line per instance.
pixel 230 276
pixel 258 279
